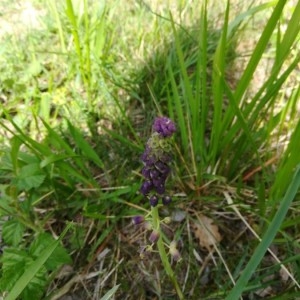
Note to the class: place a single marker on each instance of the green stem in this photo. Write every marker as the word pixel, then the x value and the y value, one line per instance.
pixel 163 253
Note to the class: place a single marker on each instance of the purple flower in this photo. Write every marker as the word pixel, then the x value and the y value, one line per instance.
pixel 164 126
pixel 160 189
pixel 146 172
pixel 158 181
pixel 146 187
pixel 148 158
pixel 162 167
pixel 154 173
pixel 156 158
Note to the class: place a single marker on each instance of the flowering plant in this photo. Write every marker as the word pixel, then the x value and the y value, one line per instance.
pixel 156 158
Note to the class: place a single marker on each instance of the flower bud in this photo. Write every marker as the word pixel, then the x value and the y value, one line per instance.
pixel 153 200
pixel 147 225
pixel 174 251
pixel 167 220
pixel 138 220
pixel 160 189
pixel 146 187
pixel 154 236
pixel 166 200
pixel 164 126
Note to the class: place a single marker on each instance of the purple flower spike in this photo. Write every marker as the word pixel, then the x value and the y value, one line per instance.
pixel 156 159
pixel 164 126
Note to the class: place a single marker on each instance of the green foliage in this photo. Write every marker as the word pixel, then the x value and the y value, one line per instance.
pixel 268 237
pixel 29 177
pixel 237 129
pixel 12 232
pixel 14 263
pixel 25 273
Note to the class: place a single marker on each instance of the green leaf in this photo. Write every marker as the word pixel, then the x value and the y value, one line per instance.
pixel 14 263
pixel 110 293
pixel 12 232
pixel 34 268
pixel 30 182
pixel 16 143
pixel 30 177
pixel 55 158
pixel 59 255
pixel 5 201
pixel 289 161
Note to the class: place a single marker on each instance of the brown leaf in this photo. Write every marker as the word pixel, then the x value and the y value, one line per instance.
pixel 207 232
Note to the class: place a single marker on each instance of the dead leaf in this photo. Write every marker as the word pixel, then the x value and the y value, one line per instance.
pixel 207 232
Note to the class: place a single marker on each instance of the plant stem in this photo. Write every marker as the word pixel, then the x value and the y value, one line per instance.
pixel 162 252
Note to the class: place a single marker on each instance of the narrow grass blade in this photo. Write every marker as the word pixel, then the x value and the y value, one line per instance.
pixel 201 91
pixel 73 21
pixel 123 139
pixel 190 103
pixel 290 36
pixel 126 120
pixel 110 293
pixel 258 51
pixel 87 47
pixel 53 8
pixel 174 101
pixel 258 103
pixel 33 269
pixel 16 143
pixel 268 237
pixel 85 147
pixel 217 86
pixel 290 159
pixel 232 27
pixel 241 120
pixel 37 148
pixel 57 140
